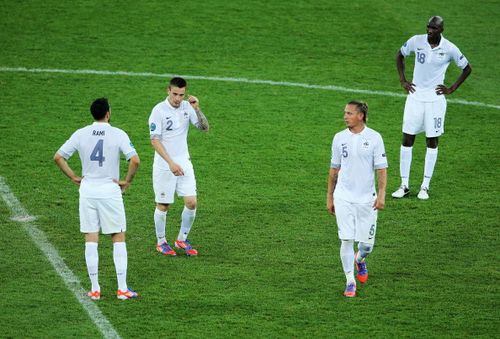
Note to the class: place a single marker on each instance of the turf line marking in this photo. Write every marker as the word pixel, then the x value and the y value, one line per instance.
pixel 19 214
pixel 240 80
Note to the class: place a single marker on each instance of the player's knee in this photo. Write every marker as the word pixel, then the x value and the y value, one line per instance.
pixel 432 142
pixel 190 203
pixel 346 244
pixel 162 207
pixel 408 140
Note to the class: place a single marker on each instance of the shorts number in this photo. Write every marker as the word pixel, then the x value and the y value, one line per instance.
pixel 169 125
pixel 344 151
pixel 97 153
pixel 421 57
pixel 437 122
pixel 372 230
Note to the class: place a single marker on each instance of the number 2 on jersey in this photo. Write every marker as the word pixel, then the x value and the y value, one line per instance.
pixel 98 152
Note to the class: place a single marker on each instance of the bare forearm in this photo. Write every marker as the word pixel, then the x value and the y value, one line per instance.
pixel 400 65
pixel 332 181
pixel 202 124
pixel 63 165
pixel 464 75
pixel 382 181
pixel 133 166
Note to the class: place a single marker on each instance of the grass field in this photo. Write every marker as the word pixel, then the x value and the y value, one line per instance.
pixel 269 263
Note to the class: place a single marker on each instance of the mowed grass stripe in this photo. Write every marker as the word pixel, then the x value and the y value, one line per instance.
pixel 20 214
pixel 229 79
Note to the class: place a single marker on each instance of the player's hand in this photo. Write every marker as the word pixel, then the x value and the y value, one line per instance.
pixel 77 180
pixel 124 184
pixel 194 102
pixel 442 89
pixel 408 86
pixel 379 203
pixel 176 169
pixel 330 206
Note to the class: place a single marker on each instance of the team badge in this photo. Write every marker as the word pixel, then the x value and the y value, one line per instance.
pixel 366 144
pixel 152 127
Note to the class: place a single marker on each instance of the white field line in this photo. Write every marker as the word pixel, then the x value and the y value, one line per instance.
pixel 241 80
pixel 19 214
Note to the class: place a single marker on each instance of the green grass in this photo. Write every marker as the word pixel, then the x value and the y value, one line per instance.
pixel 269 263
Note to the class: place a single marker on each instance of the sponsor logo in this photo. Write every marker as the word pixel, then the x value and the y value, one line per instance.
pixel 461 57
pixel 419 49
pixel 383 155
pixel 152 127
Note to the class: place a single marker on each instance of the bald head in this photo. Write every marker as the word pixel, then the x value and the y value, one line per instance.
pixel 436 21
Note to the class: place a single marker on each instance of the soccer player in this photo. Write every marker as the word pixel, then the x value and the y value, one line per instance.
pixel 357 153
pixel 172 168
pixel 425 106
pixel 101 204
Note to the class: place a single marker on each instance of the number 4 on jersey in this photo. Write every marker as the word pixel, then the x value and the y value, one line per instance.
pixel 97 153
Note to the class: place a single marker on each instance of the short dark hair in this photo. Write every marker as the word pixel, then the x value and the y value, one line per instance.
pixel 361 107
pixel 177 82
pixel 99 108
pixel 437 20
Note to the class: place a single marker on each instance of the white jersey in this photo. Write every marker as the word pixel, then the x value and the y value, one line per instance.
pixel 431 64
pixel 170 125
pixel 99 146
pixel 357 156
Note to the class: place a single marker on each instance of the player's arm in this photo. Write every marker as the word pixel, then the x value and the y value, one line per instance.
pixel 400 65
pixel 332 182
pixel 442 89
pixel 133 166
pixel 175 168
pixel 379 203
pixel 202 123
pixel 63 165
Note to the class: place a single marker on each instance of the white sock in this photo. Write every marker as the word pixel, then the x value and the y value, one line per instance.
pixel 92 260
pixel 160 225
pixel 347 258
pixel 188 217
pixel 120 259
pixel 430 161
pixel 405 156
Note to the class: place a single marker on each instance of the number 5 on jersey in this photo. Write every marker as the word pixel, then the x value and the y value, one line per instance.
pixel 98 153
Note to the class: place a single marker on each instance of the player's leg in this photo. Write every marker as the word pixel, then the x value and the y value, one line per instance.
pixel 345 223
pixel 92 261
pixel 113 221
pixel 164 183
pixel 120 258
pixel 434 127
pixel 413 123
pixel 187 189
pixel 188 216
pixel 366 228
pixel 89 225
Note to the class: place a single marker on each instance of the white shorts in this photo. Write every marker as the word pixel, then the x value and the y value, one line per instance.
pixel 166 184
pixel 356 222
pixel 107 215
pixel 422 116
